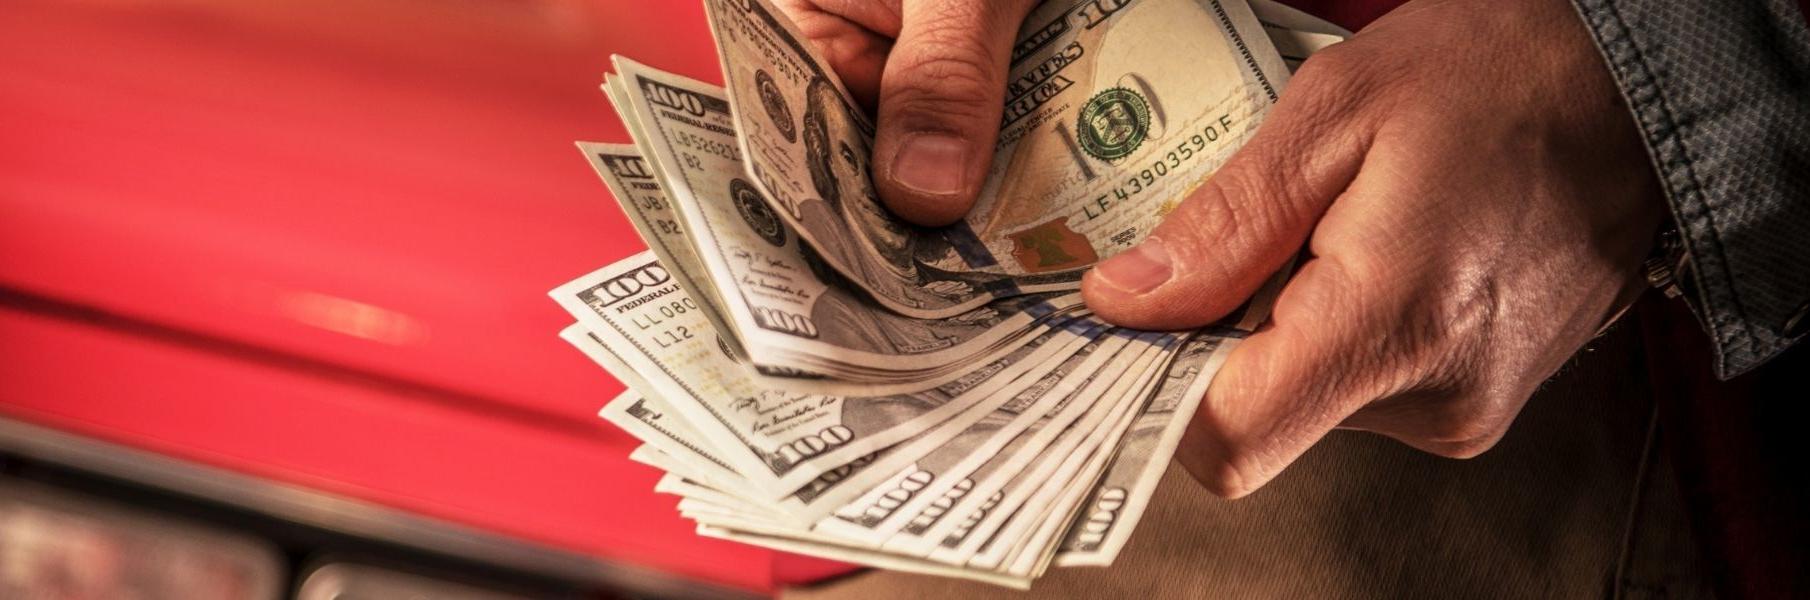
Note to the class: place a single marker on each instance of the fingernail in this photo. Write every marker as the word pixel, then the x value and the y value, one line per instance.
pixel 1137 270
pixel 932 163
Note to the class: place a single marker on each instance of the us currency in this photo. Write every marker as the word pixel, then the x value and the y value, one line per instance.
pixel 637 190
pixel 980 491
pixel 1056 498
pixel 791 311
pixel 1026 543
pixel 690 454
pixel 649 419
pixel 1114 112
pixel 865 483
pixel 627 163
pixel 941 476
pixel 741 527
pixel 651 455
pixel 1118 491
pixel 877 472
pixel 778 440
pixel 1039 550
pixel 1114 506
pixel 929 473
pixel 963 533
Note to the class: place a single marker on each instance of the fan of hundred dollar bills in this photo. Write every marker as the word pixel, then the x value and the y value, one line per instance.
pixel 817 376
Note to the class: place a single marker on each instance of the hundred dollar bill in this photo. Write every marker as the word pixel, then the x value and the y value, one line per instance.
pixel 1115 110
pixel 649 419
pixel 637 190
pixel 1027 542
pixel 716 522
pixel 712 498
pixel 941 476
pixel 684 451
pixel 1028 532
pixel 930 474
pixel 791 311
pixel 778 440
pixel 961 534
pixel 859 480
pixel 1036 554
pixel 651 455
pixel 979 489
pixel 1114 507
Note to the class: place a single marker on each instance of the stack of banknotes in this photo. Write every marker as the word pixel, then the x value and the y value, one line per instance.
pixel 817 376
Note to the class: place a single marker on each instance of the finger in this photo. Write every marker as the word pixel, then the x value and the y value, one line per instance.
pixel 1240 226
pixel 1285 387
pixel 854 36
pixel 941 97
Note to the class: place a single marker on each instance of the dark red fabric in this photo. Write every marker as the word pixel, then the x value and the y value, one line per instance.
pixel 1740 455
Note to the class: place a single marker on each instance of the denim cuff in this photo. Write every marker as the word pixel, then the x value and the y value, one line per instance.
pixel 1720 90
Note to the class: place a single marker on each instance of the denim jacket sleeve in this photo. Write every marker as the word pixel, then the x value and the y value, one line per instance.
pixel 1721 92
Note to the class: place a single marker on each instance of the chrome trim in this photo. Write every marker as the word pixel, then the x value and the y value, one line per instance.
pixel 340 514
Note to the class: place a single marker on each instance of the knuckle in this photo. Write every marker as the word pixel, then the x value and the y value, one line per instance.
pixel 1354 62
pixel 1234 207
pixel 1330 64
pixel 1332 81
pixel 940 85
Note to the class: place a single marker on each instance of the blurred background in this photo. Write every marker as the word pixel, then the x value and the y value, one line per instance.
pixel 272 303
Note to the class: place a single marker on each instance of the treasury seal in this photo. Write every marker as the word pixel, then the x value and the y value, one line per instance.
pixel 775 103
pixel 1113 123
pixel 756 213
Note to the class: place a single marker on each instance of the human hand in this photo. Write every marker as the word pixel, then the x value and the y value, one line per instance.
pixel 935 70
pixel 1477 204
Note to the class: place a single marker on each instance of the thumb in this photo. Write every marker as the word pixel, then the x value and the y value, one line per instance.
pixel 941 97
pixel 1235 230
pixel 1285 387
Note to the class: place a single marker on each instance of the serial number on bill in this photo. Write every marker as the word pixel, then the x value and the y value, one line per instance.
pixel 1165 163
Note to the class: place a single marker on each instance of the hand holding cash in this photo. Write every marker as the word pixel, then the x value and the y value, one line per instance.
pixel 818 375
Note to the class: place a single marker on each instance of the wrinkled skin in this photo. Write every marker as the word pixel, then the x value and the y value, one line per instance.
pixel 1472 193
